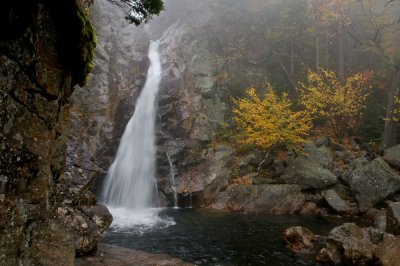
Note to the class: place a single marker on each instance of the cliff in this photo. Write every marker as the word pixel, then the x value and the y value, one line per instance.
pixel 46 48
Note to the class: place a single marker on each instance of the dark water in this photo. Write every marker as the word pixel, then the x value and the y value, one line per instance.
pixel 208 237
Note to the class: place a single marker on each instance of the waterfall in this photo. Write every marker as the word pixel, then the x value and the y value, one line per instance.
pixel 130 182
pixel 173 184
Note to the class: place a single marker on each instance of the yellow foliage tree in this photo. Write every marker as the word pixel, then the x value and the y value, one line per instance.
pixel 269 121
pixel 341 106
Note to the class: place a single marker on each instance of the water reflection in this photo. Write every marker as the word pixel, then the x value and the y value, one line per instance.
pixel 208 237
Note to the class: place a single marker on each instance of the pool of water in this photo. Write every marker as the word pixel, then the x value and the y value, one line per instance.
pixel 209 237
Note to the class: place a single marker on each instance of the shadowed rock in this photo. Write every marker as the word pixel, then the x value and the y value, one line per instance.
pixel 117 256
pixel 308 174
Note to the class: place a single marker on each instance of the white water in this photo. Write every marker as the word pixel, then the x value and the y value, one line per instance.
pixel 172 181
pixel 139 222
pixel 130 185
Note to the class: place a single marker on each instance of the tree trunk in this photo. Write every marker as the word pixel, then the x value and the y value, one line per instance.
pixel 340 53
pixel 389 135
pixel 317 52
pixel 291 58
pixel 327 45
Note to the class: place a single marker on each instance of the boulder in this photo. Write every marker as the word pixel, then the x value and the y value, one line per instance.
pixel 376 218
pixel 269 199
pixel 86 225
pixel 372 183
pixel 308 174
pixel 323 141
pixel 336 202
pixel 299 239
pixel 387 253
pixel 321 155
pixel 394 218
pixel 249 163
pixel 392 154
pixel 349 244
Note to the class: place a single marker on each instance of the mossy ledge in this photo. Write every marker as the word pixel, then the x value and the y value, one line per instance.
pixel 77 38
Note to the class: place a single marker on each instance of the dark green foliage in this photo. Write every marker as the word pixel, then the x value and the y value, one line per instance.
pixel 139 11
pixel 87 44
pixel 372 124
pixel 76 38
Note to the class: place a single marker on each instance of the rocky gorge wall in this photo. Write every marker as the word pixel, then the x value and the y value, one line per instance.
pixel 211 51
pixel 44 214
pixel 203 49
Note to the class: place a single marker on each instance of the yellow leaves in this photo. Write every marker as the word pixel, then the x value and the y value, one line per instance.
pixel 341 105
pixel 269 121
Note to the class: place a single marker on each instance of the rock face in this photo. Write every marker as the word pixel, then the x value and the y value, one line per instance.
pixel 41 60
pixel 201 71
pixel 372 183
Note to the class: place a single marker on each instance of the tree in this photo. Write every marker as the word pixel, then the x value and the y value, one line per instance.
pixel 341 106
pixel 139 11
pixel 332 12
pixel 269 122
pixel 382 36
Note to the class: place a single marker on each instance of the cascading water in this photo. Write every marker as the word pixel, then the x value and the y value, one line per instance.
pixel 173 184
pixel 130 179
pixel 130 185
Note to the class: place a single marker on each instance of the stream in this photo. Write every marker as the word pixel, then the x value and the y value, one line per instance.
pixel 211 237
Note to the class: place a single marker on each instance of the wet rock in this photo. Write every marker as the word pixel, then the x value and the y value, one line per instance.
pixel 387 253
pixel 336 202
pixel 349 244
pixel 372 183
pixel 299 239
pixel 118 256
pixel 268 199
pixel 393 218
pixel 308 174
